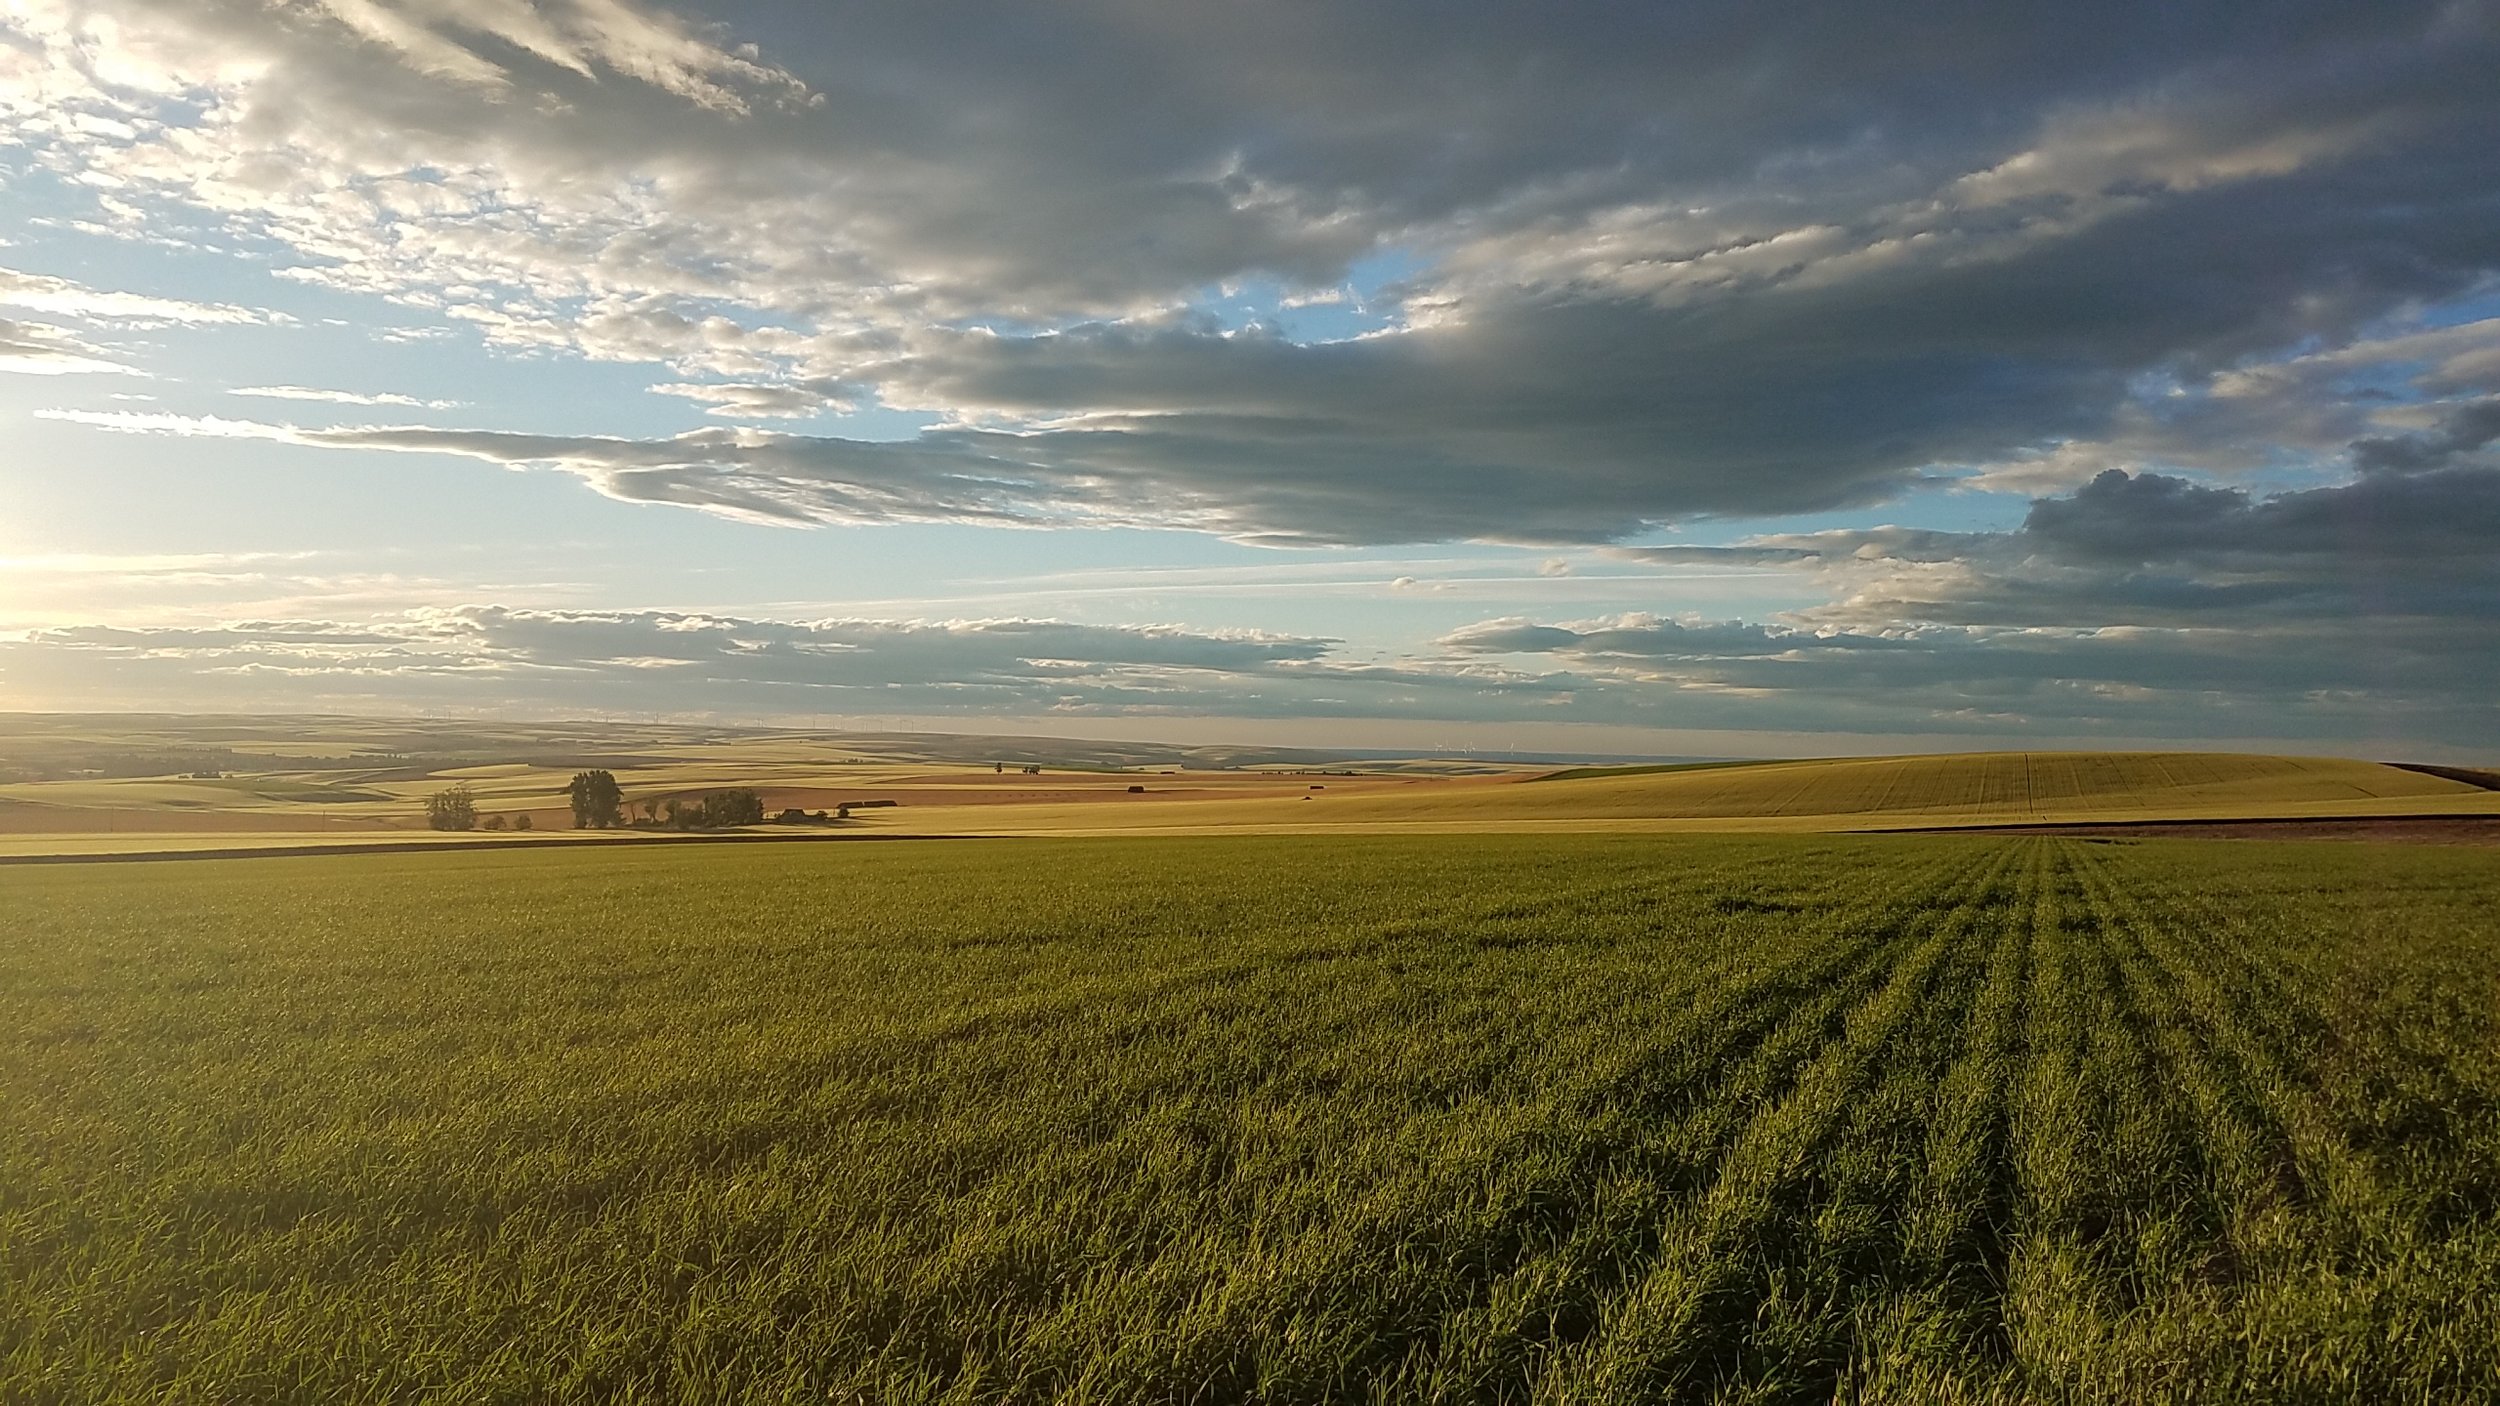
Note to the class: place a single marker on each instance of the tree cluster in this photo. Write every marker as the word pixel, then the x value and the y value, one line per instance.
pixel 598 802
pixel 717 811
pixel 452 808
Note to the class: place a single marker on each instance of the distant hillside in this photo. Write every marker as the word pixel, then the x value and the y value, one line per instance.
pixel 1876 793
pixel 1976 787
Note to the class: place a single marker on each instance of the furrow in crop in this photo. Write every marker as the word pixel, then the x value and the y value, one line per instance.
pixel 1595 1160
pixel 2097 1144
pixel 1937 1330
pixel 1680 1324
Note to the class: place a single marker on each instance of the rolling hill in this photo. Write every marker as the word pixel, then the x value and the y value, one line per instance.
pixel 1870 793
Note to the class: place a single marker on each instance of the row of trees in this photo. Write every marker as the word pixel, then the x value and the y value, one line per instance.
pixel 717 811
pixel 599 804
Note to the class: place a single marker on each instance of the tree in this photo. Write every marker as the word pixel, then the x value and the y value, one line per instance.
pixel 523 822
pixel 493 822
pixel 598 804
pixel 452 808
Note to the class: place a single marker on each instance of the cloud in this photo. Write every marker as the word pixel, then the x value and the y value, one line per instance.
pixel 761 401
pixel 1641 671
pixel 341 397
pixel 491 655
pixel 1650 637
pixel 42 349
pixel 2364 690
pixel 2465 430
pixel 33 349
pixel 1686 265
pixel 2369 608
pixel 66 298
pixel 2151 549
pixel 166 423
pixel 2209 283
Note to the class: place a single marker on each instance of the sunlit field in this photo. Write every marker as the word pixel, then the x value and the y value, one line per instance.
pixel 1855 793
pixel 1535 1119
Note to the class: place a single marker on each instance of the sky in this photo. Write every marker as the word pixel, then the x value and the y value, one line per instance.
pixel 1707 379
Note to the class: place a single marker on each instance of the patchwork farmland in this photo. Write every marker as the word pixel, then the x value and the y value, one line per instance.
pixel 71 785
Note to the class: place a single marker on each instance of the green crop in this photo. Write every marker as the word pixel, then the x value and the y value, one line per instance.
pixel 1561 1119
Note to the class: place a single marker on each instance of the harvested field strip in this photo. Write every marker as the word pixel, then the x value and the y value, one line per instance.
pixel 1596 1119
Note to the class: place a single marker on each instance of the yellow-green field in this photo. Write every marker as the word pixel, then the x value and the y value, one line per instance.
pixel 1200 1109
pixel 1566 1120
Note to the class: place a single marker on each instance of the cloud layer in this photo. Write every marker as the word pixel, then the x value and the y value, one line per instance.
pixel 1655 266
pixel 2214 285
pixel 2295 681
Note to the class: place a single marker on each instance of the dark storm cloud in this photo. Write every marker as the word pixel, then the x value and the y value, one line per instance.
pixel 2153 549
pixel 2465 430
pixel 2364 609
pixel 2428 521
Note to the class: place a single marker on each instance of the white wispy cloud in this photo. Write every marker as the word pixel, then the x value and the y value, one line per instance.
pixel 343 397
pixel 62 297
pixel 35 349
pixel 162 423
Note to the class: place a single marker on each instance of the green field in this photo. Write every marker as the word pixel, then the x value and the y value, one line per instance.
pixel 1553 1119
